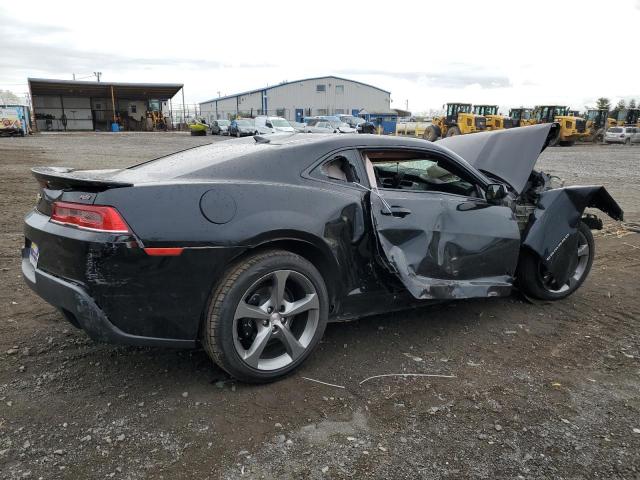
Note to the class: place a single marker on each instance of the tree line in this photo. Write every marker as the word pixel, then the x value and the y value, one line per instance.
pixel 604 103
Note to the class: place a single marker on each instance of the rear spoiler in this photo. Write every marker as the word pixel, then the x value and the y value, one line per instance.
pixel 64 177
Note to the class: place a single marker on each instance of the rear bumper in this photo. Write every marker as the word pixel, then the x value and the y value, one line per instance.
pixel 78 306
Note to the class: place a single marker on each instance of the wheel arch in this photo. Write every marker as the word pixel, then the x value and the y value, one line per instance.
pixel 309 247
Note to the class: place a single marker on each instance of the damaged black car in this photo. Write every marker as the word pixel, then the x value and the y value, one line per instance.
pixel 249 247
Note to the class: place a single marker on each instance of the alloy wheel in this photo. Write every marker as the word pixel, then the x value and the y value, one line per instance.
pixel 582 253
pixel 276 320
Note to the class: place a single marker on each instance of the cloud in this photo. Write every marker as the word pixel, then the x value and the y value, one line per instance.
pixel 38 49
pixel 460 77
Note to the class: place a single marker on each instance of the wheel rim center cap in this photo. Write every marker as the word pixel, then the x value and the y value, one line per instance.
pixel 275 317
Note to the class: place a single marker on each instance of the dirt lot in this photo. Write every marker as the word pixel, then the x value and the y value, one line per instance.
pixel 545 391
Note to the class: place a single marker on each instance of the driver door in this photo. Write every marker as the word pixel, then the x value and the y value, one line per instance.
pixel 438 233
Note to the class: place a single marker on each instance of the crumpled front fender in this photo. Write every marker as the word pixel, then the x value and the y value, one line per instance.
pixel 553 230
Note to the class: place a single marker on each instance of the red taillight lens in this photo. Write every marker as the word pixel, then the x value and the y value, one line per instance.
pixel 91 217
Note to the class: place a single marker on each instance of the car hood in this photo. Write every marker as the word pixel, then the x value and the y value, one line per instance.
pixel 508 154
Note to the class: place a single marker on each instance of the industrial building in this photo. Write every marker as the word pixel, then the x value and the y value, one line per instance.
pixel 301 98
pixel 63 105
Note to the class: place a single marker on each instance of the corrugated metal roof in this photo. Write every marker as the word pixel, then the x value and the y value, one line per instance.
pixel 248 92
pixel 50 86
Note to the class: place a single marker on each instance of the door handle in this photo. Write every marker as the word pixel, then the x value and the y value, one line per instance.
pixel 400 212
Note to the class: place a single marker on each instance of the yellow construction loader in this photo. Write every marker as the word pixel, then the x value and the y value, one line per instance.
pixel 572 128
pixel 629 117
pixel 458 120
pixel 598 121
pixel 495 121
pixel 522 117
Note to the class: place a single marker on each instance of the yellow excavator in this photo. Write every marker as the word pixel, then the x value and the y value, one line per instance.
pixel 571 128
pixel 495 121
pixel 522 117
pixel 598 121
pixel 458 120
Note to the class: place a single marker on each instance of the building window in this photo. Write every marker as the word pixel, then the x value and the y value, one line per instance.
pixel 339 111
pixel 321 87
pixel 133 109
pixel 280 112
pixel 339 89
pixel 321 111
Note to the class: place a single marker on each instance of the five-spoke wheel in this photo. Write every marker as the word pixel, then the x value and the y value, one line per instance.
pixel 266 316
pixel 536 280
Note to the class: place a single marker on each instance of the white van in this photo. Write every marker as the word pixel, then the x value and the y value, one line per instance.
pixel 265 124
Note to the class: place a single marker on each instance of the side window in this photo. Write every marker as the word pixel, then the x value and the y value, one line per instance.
pixel 337 168
pixel 417 171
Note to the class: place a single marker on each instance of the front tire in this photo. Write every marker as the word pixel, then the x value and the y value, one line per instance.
pixel 535 281
pixel 266 316
pixel 431 134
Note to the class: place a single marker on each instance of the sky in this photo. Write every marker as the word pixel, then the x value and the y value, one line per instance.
pixel 510 53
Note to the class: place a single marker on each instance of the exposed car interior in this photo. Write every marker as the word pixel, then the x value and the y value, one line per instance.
pixel 414 171
pixel 339 168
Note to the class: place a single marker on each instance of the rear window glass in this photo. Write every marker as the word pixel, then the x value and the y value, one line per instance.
pixel 615 130
pixel 194 159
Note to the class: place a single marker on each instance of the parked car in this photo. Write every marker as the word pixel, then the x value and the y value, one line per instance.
pixel 249 248
pixel 321 125
pixel 366 127
pixel 297 126
pixel 198 127
pixel 241 127
pixel 318 125
pixel 220 127
pixel 625 135
pixel 352 121
pixel 265 125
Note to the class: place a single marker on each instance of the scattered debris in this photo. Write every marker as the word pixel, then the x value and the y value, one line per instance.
pixel 413 357
pixel 407 375
pixel 323 383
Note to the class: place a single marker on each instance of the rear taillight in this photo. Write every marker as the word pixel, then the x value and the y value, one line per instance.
pixel 98 218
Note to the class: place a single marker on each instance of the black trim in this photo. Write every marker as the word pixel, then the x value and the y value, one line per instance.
pixel 81 310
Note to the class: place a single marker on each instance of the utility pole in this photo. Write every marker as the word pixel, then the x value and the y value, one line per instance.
pixel 98 75
pixel 218 93
pixel 74 76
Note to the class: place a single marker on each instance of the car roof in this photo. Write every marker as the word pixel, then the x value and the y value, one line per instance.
pixel 282 159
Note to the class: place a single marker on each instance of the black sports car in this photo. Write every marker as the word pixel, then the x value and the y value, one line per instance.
pixel 250 246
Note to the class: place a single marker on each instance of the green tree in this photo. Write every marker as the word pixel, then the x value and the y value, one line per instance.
pixel 632 103
pixel 603 103
pixel 618 108
pixel 7 97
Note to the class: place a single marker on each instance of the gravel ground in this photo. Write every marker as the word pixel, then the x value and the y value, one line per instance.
pixel 538 391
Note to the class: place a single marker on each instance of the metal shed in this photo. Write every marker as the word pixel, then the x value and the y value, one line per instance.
pixel 62 105
pixel 329 95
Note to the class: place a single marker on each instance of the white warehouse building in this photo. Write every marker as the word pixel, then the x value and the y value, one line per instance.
pixel 301 98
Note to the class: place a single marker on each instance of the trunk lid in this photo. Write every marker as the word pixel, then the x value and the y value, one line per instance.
pixel 79 186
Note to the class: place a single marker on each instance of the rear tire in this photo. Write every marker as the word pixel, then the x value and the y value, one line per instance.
pixel 533 280
pixel 627 141
pixel 567 143
pixel 453 131
pixel 268 343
